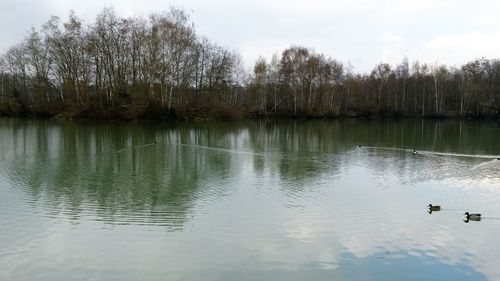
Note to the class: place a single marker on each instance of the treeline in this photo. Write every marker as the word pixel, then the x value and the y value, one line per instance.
pixel 118 66
pixel 159 68
pixel 304 82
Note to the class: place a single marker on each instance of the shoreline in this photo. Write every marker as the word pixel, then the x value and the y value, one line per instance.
pixel 166 116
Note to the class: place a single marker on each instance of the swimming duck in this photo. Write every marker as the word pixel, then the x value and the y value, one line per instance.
pixel 472 217
pixel 415 152
pixel 434 208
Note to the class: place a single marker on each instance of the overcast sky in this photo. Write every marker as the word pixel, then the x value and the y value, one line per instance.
pixel 362 32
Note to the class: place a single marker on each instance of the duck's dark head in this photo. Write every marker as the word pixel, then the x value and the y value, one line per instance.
pixel 430 206
pixel 467 214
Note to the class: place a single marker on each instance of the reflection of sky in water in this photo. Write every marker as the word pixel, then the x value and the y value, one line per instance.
pixel 273 201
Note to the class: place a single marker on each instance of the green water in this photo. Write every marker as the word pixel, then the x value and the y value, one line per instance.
pixel 280 200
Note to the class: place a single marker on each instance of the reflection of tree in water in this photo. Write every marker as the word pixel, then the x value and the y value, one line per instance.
pixel 294 149
pixel 465 137
pixel 304 150
pixel 75 170
pixel 434 140
pixel 432 135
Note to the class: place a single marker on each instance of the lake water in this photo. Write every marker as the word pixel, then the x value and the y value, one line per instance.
pixel 276 200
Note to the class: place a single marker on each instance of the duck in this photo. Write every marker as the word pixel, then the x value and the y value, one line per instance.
pixel 359 146
pixel 472 217
pixel 434 208
pixel 415 152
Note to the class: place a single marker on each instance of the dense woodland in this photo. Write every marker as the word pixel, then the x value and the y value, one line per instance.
pixel 159 68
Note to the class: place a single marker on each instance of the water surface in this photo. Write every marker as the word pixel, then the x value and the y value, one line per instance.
pixel 281 200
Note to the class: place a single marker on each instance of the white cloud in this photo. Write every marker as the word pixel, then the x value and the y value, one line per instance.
pixel 461 48
pixel 261 47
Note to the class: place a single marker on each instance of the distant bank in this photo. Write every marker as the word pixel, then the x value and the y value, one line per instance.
pixel 158 114
pixel 159 68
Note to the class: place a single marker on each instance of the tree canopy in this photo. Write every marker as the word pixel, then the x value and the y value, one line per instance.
pixel 159 67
